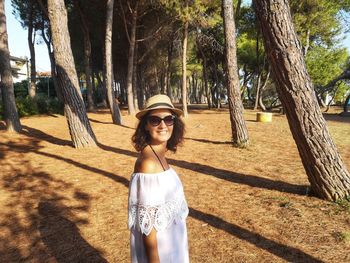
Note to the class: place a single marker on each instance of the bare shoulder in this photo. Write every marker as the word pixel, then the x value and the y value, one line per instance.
pixel 147 165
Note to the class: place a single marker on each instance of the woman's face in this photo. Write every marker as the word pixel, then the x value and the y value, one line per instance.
pixel 160 131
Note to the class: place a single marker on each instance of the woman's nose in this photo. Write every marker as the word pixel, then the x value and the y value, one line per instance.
pixel 162 124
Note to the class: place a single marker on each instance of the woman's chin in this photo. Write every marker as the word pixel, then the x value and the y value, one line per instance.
pixel 161 139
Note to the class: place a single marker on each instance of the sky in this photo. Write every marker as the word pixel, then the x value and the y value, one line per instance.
pixel 18 43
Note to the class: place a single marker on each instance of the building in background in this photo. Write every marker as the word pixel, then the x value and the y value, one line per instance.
pixel 20 68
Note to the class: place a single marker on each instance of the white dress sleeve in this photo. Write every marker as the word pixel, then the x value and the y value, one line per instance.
pixel 155 201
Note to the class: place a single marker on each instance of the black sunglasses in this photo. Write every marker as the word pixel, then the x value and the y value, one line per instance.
pixel 155 120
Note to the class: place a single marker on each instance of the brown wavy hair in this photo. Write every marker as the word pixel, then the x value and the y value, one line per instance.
pixel 141 137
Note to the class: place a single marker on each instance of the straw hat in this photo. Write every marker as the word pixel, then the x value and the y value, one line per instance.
pixel 159 101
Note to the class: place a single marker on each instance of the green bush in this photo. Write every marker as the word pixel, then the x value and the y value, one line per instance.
pixel 21 89
pixel 55 106
pixel 40 105
pixel 26 106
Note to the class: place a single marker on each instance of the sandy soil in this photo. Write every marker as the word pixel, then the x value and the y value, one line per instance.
pixel 59 204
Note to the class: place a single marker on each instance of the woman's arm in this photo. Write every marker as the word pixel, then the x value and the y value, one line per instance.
pixel 149 165
pixel 151 246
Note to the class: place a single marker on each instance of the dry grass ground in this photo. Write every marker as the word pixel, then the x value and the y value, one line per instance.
pixel 59 204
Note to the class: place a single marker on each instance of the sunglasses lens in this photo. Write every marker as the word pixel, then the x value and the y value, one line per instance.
pixel 154 120
pixel 169 120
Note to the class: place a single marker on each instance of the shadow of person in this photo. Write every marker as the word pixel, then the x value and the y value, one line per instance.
pixel 62 237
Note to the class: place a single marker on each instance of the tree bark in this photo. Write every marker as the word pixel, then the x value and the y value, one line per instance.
pixel 113 104
pixel 48 42
pixel 131 61
pixel 261 102
pixel 184 69
pixel 135 87
pixel 7 91
pixel 168 69
pixel 259 72
pixel 324 167
pixel 78 122
pixel 238 126
pixel 31 41
pixel 205 78
pixel 87 57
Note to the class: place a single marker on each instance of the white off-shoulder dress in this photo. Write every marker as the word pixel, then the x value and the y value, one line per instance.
pixel 157 201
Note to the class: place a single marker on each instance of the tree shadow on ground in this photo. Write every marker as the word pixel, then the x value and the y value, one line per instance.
pixel 62 237
pixel 208 141
pixel 336 117
pixel 113 176
pixel 102 122
pixel 110 122
pixel 250 180
pixel 246 179
pixel 290 254
pixel 38 134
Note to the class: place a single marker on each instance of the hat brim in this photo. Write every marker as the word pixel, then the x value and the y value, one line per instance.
pixel 142 113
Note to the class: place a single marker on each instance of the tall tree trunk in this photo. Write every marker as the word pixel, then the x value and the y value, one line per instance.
pixel 7 91
pixel 325 169
pixel 217 86
pixel 131 61
pixel 78 122
pixel 168 69
pixel 261 102
pixel 135 87
pixel 257 97
pixel 205 78
pixel 113 104
pixel 31 42
pixel 184 69
pixel 259 72
pixel 48 42
pixel 87 57
pixel 238 126
pixel 104 81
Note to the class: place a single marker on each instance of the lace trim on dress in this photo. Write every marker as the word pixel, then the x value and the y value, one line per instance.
pixel 160 217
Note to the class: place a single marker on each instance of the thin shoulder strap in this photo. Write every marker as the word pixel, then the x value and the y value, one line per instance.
pixel 157 157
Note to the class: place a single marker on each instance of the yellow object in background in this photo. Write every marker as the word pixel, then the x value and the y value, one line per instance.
pixel 264 117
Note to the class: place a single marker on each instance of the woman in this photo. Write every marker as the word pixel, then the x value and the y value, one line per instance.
pixel 157 205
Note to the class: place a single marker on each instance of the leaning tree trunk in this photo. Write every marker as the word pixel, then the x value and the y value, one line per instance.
pixel 87 57
pixel 31 41
pixel 113 104
pixel 184 69
pixel 74 108
pixel 238 126
pixel 325 169
pixel 7 91
pixel 131 62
